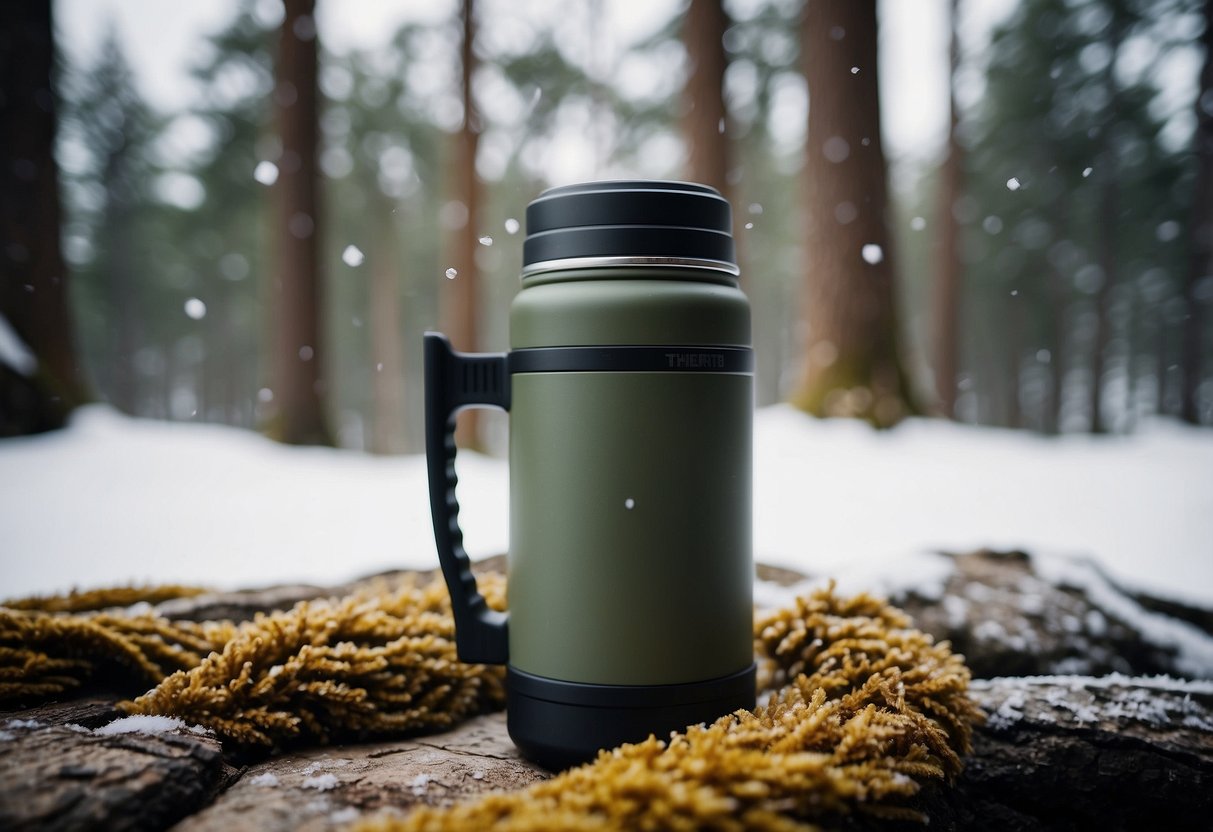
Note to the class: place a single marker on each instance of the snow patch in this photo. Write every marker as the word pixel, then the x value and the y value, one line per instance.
pixel 1009 712
pixel 14 352
pixel 419 783
pixel 1112 680
pixel 1131 699
pixel 266 778
pixel 24 723
pixel 144 724
pixel 924 574
pixel 320 782
pixel 1193 647
pixel 831 497
pixel 347 815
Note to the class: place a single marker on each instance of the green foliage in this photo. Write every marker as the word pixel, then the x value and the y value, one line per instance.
pixel 1069 177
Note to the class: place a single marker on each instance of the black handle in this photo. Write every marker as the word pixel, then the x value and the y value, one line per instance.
pixel 454 381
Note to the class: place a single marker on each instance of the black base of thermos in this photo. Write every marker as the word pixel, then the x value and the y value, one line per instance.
pixel 561 724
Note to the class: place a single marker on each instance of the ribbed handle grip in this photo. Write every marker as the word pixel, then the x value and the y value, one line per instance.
pixel 454 381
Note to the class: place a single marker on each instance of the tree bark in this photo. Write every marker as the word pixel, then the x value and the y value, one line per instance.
pixel 63 777
pixel 852 366
pixel 706 116
pixel 299 377
pixel 1201 265
pixel 33 274
pixel 1075 753
pixel 461 297
pixel 947 279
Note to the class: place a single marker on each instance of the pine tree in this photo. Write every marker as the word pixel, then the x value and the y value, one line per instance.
pixel 1069 190
pixel 1199 278
pixel 852 361
pixel 945 301
pixel 113 124
pixel 462 298
pixel 705 122
pixel 34 278
pixel 298 347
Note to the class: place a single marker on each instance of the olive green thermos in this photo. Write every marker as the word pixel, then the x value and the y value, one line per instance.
pixel 629 385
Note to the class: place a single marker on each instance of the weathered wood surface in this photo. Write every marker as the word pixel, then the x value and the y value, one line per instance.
pixel 1079 753
pixel 327 788
pixel 58 774
pixel 1064 753
pixel 1011 617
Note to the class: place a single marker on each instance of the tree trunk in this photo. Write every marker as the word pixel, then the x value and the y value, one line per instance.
pixel 1107 261
pixel 126 324
pixel 705 120
pixel 33 275
pixel 1201 265
pixel 1013 343
pixel 461 301
pixel 852 366
pixel 299 381
pixel 1056 293
pixel 1109 224
pixel 947 279
pixel 387 349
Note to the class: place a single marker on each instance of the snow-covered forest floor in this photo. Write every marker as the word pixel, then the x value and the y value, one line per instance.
pixel 115 500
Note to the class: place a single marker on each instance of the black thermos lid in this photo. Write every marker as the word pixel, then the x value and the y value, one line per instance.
pixel 629 223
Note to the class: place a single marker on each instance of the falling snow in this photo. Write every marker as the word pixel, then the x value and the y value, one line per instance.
pixel 511 226
pixel 451 274
pixel 195 308
pixel 352 256
pixel 872 253
pixel 266 173
pixel 1013 184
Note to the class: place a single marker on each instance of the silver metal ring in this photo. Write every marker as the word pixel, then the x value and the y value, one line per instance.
pixel 532 269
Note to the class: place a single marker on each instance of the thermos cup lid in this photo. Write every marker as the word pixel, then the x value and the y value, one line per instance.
pixel 629 223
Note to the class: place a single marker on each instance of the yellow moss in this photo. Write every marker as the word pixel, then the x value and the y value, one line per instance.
pixel 47 654
pixel 97 599
pixel 860 709
pixel 866 710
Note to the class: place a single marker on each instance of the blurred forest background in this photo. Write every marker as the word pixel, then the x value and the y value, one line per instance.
pixel 1050 269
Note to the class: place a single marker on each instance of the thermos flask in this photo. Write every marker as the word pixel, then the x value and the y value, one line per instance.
pixel 629 385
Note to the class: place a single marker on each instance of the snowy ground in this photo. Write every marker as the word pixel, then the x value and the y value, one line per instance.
pixel 113 500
